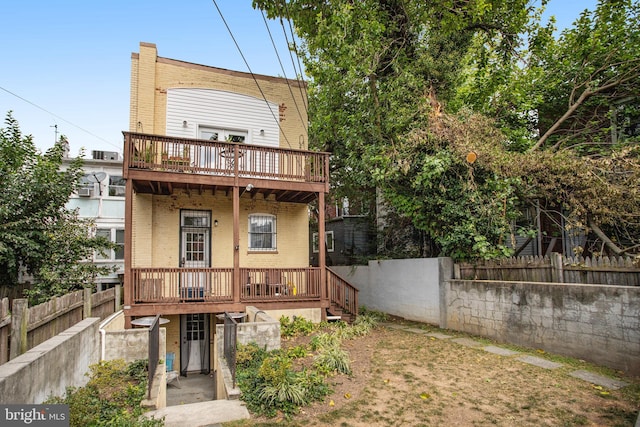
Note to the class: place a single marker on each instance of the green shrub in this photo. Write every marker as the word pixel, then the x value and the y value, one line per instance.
pixel 111 397
pixel 324 341
pixel 284 392
pixel 333 359
pixel 298 327
pixel 250 355
pixel 297 352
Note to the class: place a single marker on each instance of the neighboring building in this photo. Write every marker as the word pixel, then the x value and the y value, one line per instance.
pixel 349 240
pixel 218 182
pixel 101 199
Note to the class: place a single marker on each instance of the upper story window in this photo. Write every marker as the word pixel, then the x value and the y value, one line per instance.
pixel 223 135
pixel 262 232
pixel 116 185
pixel 115 235
pixel 86 186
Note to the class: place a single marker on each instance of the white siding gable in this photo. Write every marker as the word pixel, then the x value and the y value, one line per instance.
pixel 221 109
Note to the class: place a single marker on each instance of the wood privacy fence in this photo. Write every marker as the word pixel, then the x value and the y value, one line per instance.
pixel 25 327
pixel 622 271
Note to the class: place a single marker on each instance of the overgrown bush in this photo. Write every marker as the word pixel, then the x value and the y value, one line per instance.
pixel 271 384
pixel 112 396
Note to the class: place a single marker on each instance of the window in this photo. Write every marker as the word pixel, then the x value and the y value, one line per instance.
pixel 225 135
pixel 328 241
pixel 113 235
pixel 116 186
pixel 262 232
pixel 87 184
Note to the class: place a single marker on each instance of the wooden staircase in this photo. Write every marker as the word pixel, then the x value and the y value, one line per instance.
pixel 336 313
pixel 343 298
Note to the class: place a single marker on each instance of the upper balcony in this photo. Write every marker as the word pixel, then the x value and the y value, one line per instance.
pixel 158 164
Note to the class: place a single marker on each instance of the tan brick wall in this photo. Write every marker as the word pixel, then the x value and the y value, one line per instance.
pixel 173 339
pixel 156 230
pixel 153 75
pixel 141 230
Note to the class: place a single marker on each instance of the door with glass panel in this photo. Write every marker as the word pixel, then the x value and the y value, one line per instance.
pixel 195 248
pixel 216 156
pixel 194 349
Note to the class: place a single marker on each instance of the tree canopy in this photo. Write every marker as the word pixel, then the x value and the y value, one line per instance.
pixel 39 236
pixel 462 114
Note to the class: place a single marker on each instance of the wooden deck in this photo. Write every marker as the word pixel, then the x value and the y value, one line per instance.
pixel 158 164
pixel 183 290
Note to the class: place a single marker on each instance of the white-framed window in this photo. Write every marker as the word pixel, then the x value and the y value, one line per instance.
pixel 86 187
pixel 328 241
pixel 116 186
pixel 262 232
pixel 223 135
pixel 115 235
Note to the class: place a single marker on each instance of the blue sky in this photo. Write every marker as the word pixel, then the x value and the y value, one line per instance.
pixel 67 62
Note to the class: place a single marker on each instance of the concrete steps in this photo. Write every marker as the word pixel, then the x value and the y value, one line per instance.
pixel 202 413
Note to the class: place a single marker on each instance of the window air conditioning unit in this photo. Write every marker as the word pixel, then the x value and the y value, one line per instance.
pixel 84 192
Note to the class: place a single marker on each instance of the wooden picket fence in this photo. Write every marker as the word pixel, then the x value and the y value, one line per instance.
pixel 622 271
pixel 25 327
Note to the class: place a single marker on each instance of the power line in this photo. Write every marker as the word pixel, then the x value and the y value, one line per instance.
pixel 285 73
pixel 61 118
pixel 252 74
pixel 295 47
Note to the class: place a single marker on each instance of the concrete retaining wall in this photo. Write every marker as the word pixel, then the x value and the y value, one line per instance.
pixel 409 288
pixel 128 344
pixel 49 368
pixel 600 324
pixel 264 331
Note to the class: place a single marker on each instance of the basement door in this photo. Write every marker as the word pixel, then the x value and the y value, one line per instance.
pixel 194 348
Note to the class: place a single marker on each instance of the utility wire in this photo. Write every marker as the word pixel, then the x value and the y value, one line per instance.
pixel 285 74
pixel 252 74
pixel 295 48
pixel 61 118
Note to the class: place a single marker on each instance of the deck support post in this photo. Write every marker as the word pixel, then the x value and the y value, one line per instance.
pixel 236 244
pixel 324 294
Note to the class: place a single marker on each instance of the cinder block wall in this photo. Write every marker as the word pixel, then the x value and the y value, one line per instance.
pixel 596 323
pixel 49 368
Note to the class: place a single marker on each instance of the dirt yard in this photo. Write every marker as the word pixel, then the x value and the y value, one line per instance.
pixel 403 378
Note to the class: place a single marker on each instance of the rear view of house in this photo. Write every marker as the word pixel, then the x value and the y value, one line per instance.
pixel 218 182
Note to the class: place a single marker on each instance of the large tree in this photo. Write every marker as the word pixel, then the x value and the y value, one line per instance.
pixel 399 89
pixel 38 234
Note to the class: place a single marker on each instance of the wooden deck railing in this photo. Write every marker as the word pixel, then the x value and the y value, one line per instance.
pixel 266 284
pixel 342 293
pixel 182 284
pixel 162 153
pixel 175 285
